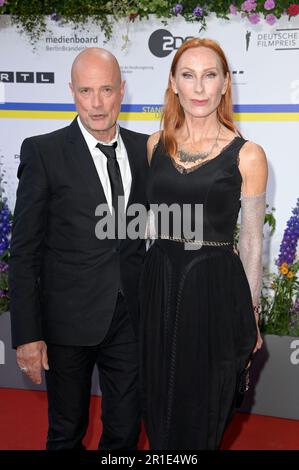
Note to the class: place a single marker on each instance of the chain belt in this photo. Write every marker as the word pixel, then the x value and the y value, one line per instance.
pixel 198 242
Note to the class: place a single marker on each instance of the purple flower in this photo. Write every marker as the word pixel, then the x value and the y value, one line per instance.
pixel 254 18
pixel 2 293
pixel 248 6
pixel 5 227
pixel 288 246
pixel 54 16
pixel 3 267
pixel 233 9
pixel 2 3
pixel 294 311
pixel 271 19
pixel 197 11
pixel 177 9
pixel 269 5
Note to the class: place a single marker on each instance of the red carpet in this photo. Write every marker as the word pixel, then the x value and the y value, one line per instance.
pixel 23 425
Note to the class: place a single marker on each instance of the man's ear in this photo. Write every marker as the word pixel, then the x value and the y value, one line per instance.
pixel 123 88
pixel 71 88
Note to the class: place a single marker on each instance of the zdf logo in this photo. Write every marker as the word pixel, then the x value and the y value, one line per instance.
pixel 161 42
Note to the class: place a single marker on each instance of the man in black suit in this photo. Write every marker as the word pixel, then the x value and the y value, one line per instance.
pixel 74 301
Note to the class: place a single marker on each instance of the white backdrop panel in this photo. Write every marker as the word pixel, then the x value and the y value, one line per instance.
pixel 263 59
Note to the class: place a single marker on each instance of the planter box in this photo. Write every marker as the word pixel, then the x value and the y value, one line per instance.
pixel 274 383
pixel 274 379
pixel 10 375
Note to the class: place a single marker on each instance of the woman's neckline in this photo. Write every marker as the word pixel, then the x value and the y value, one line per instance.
pixel 185 171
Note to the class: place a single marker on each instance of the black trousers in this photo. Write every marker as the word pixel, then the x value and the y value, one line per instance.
pixel 69 386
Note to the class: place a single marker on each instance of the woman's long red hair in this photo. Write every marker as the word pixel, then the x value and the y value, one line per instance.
pixel 173 115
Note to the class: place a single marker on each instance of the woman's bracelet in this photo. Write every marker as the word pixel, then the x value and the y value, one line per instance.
pixel 257 310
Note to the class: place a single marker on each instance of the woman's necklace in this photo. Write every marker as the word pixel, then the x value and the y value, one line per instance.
pixel 186 157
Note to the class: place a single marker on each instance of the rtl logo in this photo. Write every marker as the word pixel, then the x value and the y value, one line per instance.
pixel 27 77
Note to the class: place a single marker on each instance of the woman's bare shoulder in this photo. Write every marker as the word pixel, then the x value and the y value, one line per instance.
pixel 253 168
pixel 252 154
pixel 152 141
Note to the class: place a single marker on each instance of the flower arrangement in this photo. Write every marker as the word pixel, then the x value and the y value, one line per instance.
pixel 254 10
pixel 31 16
pixel 280 295
pixel 5 230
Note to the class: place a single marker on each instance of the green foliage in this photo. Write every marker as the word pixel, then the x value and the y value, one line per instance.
pixel 31 15
pixel 280 293
pixel 280 301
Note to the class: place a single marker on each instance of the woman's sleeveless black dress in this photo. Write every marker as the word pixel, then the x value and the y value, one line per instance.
pixel 197 321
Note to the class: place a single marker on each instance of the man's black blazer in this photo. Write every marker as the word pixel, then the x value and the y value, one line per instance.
pixel 63 280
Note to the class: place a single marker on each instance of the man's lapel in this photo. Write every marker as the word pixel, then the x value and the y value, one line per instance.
pixel 130 145
pixel 78 148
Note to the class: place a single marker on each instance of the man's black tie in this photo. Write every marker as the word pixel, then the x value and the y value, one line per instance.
pixel 116 184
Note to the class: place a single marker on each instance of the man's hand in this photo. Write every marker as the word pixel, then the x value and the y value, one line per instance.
pixel 32 358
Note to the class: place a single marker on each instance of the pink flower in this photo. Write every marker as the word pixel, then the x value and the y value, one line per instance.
pixel 271 19
pixel 293 9
pixel 2 3
pixel 269 4
pixel 248 6
pixel 233 9
pixel 254 18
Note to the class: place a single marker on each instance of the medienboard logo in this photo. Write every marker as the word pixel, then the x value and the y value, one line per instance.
pixel 2 353
pixel 161 42
pixel 27 77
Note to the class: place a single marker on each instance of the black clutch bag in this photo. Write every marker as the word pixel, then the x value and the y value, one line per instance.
pixel 243 381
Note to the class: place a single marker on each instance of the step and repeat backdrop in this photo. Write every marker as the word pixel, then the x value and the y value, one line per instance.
pixel 35 98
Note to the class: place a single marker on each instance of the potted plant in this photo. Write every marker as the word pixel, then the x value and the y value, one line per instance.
pixel 274 375
pixel 280 295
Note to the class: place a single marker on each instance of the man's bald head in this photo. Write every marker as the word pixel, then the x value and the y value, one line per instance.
pixel 95 57
pixel 98 91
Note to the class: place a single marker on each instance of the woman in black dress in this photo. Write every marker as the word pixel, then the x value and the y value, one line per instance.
pixel 199 298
